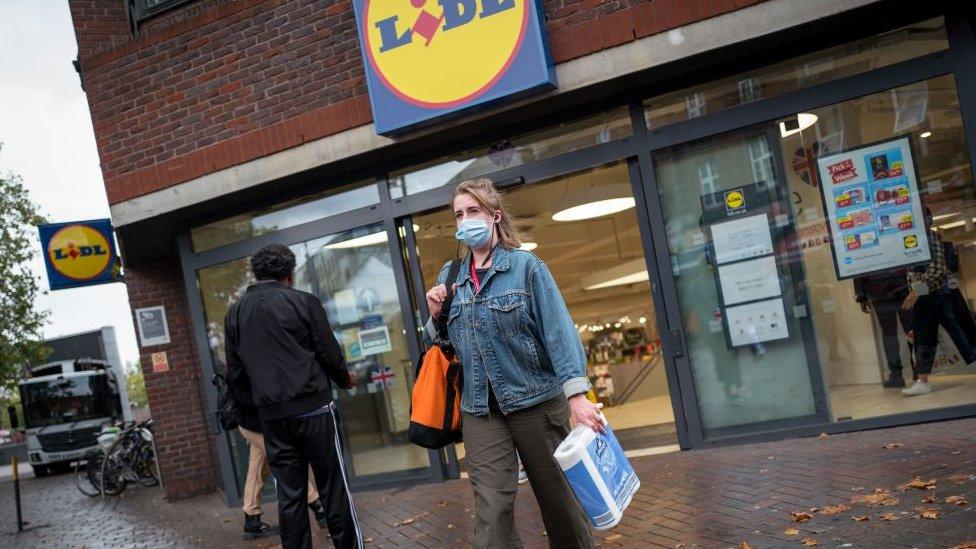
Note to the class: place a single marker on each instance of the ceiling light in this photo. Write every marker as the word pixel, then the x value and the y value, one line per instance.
pixel 593 202
pixel 925 135
pixel 630 272
pixel 642 320
pixel 529 246
pixel 952 225
pixel 944 216
pixel 797 124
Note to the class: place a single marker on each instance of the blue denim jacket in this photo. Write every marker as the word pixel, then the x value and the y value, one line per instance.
pixel 516 333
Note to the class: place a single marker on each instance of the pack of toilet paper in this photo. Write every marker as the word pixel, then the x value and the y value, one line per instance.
pixel 599 473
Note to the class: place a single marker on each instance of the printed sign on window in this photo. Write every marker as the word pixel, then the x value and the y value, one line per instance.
pixel 874 210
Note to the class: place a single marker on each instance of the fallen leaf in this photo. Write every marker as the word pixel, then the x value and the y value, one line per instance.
pixel 957 500
pixel 892 445
pixel 965 545
pixel 442 504
pixel 368 540
pixel 835 509
pixel 763 471
pixel 956 452
pixel 918 484
pixel 889 517
pixel 929 498
pixel 227 519
pixel 450 526
pixel 408 521
pixel 744 545
pixel 810 542
pixel 614 537
pixel 927 513
pixel 801 517
pixel 824 435
pixel 857 488
pixel 959 479
pixel 879 497
pixel 860 519
pixel 792 532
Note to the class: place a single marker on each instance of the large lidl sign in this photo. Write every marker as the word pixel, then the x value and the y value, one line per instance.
pixel 79 253
pixel 429 59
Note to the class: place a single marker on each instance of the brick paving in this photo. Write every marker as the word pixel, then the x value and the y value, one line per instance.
pixel 710 498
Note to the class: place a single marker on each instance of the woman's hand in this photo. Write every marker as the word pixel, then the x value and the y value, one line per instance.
pixel 435 298
pixel 584 412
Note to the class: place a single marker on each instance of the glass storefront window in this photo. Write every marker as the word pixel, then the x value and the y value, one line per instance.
pixel 284 215
pixel 816 68
pixel 562 138
pixel 860 348
pixel 597 259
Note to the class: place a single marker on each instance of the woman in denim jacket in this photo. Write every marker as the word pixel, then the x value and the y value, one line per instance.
pixel 524 372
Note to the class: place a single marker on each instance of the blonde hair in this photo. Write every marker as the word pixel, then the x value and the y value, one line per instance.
pixel 485 193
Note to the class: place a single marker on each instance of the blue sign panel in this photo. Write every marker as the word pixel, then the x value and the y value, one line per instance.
pixel 427 60
pixel 80 253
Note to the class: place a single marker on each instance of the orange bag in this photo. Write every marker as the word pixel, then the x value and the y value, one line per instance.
pixel 435 405
pixel 435 409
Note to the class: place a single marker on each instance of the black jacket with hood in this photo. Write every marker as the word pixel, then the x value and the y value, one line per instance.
pixel 281 352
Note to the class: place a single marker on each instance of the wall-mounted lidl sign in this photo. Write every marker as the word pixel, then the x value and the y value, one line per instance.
pixel 79 253
pixel 429 59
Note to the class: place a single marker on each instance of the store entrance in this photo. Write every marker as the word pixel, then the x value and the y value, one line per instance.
pixel 585 227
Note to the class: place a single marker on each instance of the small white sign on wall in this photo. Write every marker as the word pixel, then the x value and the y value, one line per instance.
pixel 153 328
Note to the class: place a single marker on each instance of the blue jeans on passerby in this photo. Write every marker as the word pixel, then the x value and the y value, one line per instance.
pixel 931 311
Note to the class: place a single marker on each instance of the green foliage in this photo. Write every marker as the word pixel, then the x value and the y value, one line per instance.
pixel 135 386
pixel 20 324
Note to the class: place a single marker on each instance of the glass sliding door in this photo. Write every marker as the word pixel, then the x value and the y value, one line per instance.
pixel 352 273
pixel 740 285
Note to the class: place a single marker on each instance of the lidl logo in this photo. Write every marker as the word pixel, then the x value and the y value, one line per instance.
pixel 79 253
pixel 427 59
pixel 911 241
pixel 734 200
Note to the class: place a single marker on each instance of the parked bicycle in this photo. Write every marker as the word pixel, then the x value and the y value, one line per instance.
pixel 125 455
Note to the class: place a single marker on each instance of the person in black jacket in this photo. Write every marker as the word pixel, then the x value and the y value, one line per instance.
pixel 279 343
pixel 249 425
pixel 885 292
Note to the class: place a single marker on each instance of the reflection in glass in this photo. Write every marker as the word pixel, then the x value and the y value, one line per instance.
pixel 816 68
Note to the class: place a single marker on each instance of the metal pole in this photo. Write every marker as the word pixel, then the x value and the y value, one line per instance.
pixel 20 518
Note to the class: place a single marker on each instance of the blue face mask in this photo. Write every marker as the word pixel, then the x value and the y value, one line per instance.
pixel 474 233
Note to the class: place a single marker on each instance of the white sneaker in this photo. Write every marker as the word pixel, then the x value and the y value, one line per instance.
pixel 919 388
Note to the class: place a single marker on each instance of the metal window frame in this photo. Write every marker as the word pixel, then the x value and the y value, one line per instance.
pixel 637 150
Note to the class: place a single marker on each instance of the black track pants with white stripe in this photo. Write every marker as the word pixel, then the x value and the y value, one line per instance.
pixel 292 445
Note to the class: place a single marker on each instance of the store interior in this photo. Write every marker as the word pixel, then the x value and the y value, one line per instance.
pixel 584 227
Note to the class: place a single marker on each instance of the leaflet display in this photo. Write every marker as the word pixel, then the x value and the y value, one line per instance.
pixel 873 207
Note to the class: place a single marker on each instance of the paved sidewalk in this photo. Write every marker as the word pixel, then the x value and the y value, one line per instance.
pixel 712 498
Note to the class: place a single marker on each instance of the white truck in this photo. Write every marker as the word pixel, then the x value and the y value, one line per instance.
pixel 66 404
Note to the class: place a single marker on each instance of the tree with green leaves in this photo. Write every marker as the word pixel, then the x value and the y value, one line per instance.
pixel 20 323
pixel 135 386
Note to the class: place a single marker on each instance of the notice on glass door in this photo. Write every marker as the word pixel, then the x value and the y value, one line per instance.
pixel 749 280
pixel 874 210
pixel 742 238
pixel 757 322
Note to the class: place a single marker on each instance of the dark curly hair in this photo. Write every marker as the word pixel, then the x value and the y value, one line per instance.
pixel 273 262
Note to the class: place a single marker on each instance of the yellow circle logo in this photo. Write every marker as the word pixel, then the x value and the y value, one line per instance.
pixel 79 252
pixel 911 241
pixel 442 53
pixel 734 200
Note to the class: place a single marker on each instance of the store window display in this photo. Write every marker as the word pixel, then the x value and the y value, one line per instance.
pixel 920 314
pixel 584 227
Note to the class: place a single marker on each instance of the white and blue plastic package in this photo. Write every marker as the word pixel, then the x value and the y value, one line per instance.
pixel 599 473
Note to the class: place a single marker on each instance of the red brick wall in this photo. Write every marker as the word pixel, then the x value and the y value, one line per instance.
pixel 178 408
pixel 220 82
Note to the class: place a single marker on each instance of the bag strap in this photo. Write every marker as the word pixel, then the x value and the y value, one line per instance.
pixel 452 274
